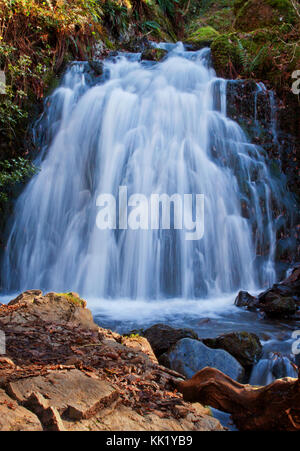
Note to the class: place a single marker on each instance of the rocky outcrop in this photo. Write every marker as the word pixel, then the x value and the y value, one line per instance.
pixel 282 299
pixel 244 346
pixel 14 417
pixel 162 337
pixel 188 356
pixel 63 372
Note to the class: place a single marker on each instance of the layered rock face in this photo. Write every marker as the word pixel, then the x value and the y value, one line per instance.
pixel 63 372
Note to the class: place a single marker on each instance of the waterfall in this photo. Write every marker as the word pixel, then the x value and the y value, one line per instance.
pixel 275 366
pixel 154 128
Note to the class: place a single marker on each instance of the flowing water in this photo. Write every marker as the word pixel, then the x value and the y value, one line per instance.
pixel 154 128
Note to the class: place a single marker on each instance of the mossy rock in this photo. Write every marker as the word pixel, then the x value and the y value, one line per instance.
pixel 202 37
pixel 256 14
pixel 279 307
pixel 225 54
pixel 244 346
pixel 154 54
pixel 74 298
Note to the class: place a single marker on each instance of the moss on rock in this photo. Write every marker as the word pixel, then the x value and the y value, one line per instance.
pixel 225 54
pixel 256 14
pixel 74 298
pixel 203 36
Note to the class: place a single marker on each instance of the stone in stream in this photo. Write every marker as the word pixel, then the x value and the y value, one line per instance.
pixel 189 356
pixel 161 337
pixel 154 54
pixel 282 299
pixel 244 299
pixel 244 346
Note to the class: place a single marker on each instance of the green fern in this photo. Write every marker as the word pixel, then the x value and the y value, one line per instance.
pixel 250 65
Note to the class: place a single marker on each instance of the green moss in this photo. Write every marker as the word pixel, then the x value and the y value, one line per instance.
pixel 270 54
pixel 203 36
pixel 71 297
pixel 225 54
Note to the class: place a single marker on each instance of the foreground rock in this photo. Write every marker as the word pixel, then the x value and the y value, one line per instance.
pixel 275 407
pixel 244 346
pixel 189 356
pixel 16 418
pixel 63 372
pixel 162 337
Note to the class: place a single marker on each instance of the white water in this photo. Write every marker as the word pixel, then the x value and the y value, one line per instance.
pixel 276 366
pixel 156 129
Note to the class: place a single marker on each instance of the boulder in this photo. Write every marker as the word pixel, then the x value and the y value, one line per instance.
pixel 278 307
pixel 244 299
pixel 97 66
pixel 202 37
pixel 161 337
pixel 154 54
pixel 244 346
pixel 189 356
pixel 58 308
pixel 282 299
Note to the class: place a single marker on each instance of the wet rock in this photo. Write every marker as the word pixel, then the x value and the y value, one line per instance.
pixel 97 66
pixel 137 44
pixel 154 54
pixel 161 337
pixel 189 356
pixel 278 307
pixel 244 346
pixel 244 299
pixel 282 299
pixel 16 418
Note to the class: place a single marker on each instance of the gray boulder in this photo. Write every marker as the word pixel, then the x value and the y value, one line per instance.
pixel 162 337
pixel 189 356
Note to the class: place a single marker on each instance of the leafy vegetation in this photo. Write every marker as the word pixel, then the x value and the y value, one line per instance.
pixel 12 172
pixel 38 38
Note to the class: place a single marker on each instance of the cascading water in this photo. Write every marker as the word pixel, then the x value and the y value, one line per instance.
pixel 158 128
